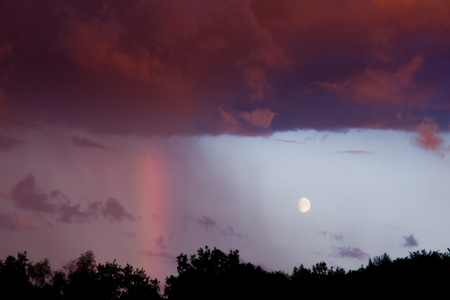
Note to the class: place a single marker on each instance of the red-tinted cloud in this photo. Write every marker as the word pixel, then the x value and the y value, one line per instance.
pixel 200 67
pixel 379 86
pixel 428 137
pixel 259 117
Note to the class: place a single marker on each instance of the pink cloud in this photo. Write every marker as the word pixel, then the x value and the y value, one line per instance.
pixel 428 137
pixel 259 117
pixel 380 86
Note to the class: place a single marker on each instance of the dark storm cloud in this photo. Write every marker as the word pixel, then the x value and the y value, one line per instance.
pixel 410 241
pixel 214 67
pixel 27 195
pixel 83 142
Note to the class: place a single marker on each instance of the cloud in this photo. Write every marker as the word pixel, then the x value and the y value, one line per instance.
pixel 380 86
pixel 9 221
pixel 428 137
pixel 347 252
pixel 229 231
pixel 160 242
pixel 83 142
pixel 165 67
pixel 13 222
pixel 337 237
pixel 287 141
pixel 410 241
pixel 27 195
pixel 7 144
pixel 73 213
pixel 206 222
pixel 94 44
pixel 168 257
pixel 259 117
pixel 358 152
pixel 115 211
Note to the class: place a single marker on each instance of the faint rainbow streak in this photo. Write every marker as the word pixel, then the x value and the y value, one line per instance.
pixel 152 177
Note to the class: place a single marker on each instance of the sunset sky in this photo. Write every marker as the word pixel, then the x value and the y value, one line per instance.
pixel 145 129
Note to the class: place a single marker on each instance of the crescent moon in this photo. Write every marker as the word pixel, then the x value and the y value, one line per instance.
pixel 304 205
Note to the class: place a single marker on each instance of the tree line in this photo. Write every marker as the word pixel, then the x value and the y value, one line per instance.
pixel 213 274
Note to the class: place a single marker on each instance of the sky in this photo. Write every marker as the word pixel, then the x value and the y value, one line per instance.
pixel 145 129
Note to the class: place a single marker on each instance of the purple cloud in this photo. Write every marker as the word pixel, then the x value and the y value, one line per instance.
pixel 347 252
pixel 7 144
pixel 9 221
pixel 207 222
pixel 358 152
pixel 287 141
pixel 229 231
pixel 410 241
pixel 115 211
pixel 83 142
pixel 164 255
pixel 337 237
pixel 160 242
pixel 73 213
pixel 26 195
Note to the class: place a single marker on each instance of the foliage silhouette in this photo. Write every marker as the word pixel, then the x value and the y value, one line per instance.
pixel 212 274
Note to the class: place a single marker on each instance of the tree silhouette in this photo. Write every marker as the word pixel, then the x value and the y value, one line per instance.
pixel 14 282
pixel 212 274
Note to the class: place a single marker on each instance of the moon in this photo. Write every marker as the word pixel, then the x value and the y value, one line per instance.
pixel 304 205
